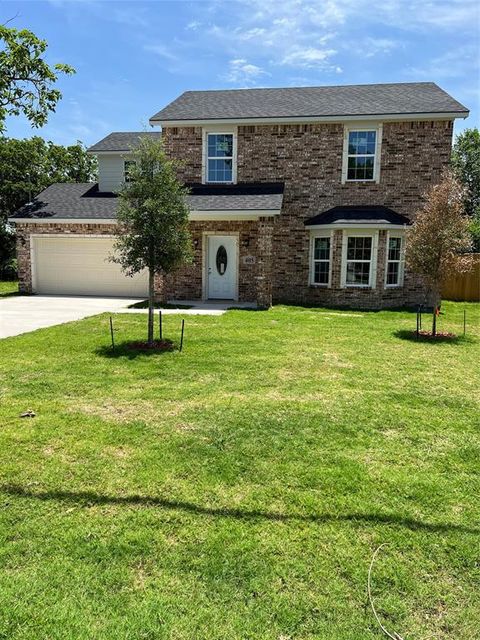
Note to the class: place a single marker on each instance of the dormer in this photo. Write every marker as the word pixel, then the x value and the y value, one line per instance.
pixel 114 153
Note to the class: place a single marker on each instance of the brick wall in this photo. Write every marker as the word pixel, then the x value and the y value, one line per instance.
pixel 187 282
pixel 24 243
pixel 254 277
pixel 308 158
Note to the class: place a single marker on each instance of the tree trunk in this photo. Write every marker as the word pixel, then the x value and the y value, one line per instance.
pixel 151 293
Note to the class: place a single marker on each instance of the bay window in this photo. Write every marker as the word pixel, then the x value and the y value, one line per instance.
pixel 359 258
pixel 320 267
pixel 394 266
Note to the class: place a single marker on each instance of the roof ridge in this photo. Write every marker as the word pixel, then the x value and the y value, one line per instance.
pixel 313 86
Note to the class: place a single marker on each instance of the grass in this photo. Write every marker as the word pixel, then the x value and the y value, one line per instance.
pixel 239 489
pixel 8 288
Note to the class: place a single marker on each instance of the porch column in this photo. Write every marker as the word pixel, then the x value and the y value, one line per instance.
pixel 24 265
pixel 264 262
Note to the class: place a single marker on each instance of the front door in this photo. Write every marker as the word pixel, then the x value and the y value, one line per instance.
pixel 222 267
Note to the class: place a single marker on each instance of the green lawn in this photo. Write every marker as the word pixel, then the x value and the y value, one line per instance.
pixel 238 490
pixel 8 288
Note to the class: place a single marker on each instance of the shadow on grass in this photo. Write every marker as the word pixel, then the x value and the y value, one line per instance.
pixel 125 350
pixel 350 309
pixel 87 498
pixel 143 304
pixel 411 336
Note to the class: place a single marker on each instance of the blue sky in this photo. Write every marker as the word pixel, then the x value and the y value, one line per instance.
pixel 132 58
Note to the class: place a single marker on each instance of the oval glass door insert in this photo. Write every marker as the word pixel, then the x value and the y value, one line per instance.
pixel 221 260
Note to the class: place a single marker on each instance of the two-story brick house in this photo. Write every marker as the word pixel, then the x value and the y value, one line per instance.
pixel 298 195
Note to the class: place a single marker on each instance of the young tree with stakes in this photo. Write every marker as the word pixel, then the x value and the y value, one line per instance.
pixel 439 240
pixel 152 219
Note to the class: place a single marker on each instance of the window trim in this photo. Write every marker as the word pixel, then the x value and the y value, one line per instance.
pixel 372 277
pixel 311 276
pixel 401 261
pixel 231 131
pixel 378 128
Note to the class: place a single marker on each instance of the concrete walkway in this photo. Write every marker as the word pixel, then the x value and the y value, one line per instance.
pixel 197 307
pixel 21 314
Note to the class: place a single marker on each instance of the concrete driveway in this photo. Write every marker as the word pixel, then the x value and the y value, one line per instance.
pixel 21 314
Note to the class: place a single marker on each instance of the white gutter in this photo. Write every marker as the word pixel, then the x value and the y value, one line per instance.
pixel 62 220
pixel 382 117
pixel 111 152
pixel 232 214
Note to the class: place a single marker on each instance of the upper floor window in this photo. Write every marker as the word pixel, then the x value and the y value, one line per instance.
pixel 320 269
pixel 219 157
pixel 394 267
pixel 361 155
pixel 127 167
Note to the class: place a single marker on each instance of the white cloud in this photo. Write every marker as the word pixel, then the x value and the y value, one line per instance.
pixel 308 58
pixel 442 14
pixel 374 46
pixel 194 25
pixel 162 51
pixel 241 72
pixel 251 34
pixel 132 18
pixel 457 63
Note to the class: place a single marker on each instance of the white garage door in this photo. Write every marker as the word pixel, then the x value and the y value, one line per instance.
pixel 80 266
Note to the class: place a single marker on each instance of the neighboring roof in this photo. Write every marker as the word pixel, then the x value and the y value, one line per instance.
pixel 85 201
pixel 122 140
pixel 369 214
pixel 308 102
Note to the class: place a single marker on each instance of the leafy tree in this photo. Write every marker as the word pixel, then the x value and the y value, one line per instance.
pixel 466 164
pixel 26 80
pixel 26 168
pixel 152 219
pixel 439 239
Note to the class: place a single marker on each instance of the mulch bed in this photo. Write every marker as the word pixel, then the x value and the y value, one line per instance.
pixel 158 345
pixel 440 335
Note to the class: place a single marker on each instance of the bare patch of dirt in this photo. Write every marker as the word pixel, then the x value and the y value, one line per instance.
pixel 333 359
pixel 117 452
pixel 122 410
